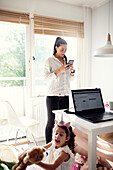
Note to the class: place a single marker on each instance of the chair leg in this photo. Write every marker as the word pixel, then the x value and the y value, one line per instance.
pixel 27 136
pixel 16 137
pixel 32 137
pixel 34 140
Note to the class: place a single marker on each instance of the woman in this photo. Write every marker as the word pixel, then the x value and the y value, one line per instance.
pixel 57 75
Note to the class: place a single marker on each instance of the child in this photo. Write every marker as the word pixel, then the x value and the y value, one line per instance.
pixel 61 149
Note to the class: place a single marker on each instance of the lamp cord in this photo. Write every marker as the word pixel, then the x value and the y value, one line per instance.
pixel 109 17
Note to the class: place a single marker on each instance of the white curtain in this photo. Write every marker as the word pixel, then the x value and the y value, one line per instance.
pixel 85 58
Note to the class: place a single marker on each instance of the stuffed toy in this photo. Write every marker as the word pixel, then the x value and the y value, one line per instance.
pixel 98 165
pixel 79 161
pixel 31 156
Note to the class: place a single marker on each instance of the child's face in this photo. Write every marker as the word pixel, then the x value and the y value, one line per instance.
pixel 60 137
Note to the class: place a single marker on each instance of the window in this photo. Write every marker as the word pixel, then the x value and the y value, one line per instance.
pixel 13 26
pixel 12 54
pixel 43 49
pixel 50 28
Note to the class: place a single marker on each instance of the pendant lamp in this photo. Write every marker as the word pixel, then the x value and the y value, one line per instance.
pixel 107 50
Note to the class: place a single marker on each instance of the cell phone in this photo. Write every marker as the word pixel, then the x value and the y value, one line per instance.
pixel 70 62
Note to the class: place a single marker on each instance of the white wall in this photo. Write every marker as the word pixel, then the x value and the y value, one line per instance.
pixel 102 68
pixel 44 7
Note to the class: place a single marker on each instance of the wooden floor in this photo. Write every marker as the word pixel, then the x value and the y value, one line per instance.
pixel 10 134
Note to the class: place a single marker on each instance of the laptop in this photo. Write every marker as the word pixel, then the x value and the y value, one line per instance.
pixel 88 105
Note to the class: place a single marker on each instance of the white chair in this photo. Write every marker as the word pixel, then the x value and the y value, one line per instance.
pixel 20 123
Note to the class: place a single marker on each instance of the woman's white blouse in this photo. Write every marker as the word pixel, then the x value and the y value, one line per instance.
pixel 56 85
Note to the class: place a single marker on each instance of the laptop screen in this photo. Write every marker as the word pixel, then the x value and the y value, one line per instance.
pixel 87 99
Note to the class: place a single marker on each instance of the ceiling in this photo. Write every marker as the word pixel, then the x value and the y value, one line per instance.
pixel 81 3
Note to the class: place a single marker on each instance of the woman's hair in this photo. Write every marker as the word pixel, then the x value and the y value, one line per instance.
pixel 70 133
pixel 58 42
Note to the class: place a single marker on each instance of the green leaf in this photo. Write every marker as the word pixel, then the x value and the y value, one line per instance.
pixel 8 164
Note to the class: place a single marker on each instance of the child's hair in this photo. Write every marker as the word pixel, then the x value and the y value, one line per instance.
pixel 70 133
pixel 58 42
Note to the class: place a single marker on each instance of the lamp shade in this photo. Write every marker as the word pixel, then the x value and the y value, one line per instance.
pixel 105 51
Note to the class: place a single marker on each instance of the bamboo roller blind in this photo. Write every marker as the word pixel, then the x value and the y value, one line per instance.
pixel 14 17
pixel 54 26
pixel 45 25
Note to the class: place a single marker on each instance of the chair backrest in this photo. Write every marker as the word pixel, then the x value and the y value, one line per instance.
pixel 12 116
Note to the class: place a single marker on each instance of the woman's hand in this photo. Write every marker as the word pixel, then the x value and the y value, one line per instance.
pixel 72 70
pixel 62 69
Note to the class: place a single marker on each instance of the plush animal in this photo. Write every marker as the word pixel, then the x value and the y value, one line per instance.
pixel 98 165
pixel 31 156
pixel 79 161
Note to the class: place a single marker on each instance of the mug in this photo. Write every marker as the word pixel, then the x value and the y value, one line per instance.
pixel 111 105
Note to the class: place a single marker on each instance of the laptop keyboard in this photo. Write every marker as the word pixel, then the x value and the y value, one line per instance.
pixel 98 115
pixel 93 115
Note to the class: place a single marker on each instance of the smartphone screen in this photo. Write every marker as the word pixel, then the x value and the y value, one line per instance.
pixel 70 62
